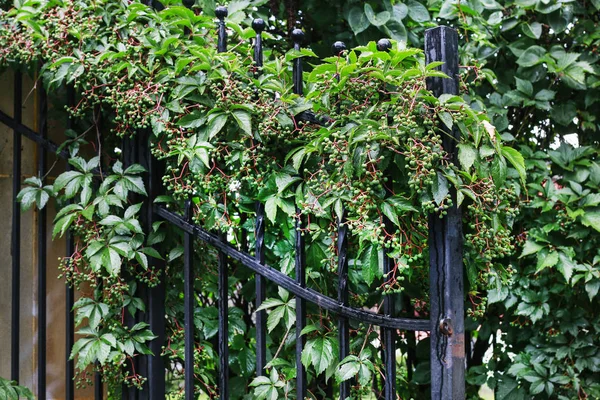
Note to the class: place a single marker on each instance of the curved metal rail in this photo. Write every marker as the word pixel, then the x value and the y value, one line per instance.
pixel 288 283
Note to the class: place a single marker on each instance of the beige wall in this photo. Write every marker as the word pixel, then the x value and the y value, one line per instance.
pixel 55 299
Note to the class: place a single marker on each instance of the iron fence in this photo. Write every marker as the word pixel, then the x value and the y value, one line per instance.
pixel 446 324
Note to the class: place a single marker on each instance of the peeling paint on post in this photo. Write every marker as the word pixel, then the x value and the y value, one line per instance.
pixel 445 246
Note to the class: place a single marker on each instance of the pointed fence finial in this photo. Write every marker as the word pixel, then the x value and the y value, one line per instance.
pixel 338 48
pixel 384 45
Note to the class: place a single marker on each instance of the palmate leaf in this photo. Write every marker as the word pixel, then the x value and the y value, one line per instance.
pixel 320 352
pixel 35 193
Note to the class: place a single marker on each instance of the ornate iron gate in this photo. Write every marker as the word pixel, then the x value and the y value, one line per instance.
pixel 446 325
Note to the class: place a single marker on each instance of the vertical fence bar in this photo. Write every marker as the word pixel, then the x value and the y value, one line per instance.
pixel 445 245
pixel 343 326
pixel 98 387
pixel 389 335
pixel 188 305
pixel 221 13
pixel 259 26
pixel 16 231
pixel 69 291
pixel 129 146
pixel 41 246
pixel 156 296
pixel 261 317
pixel 98 384
pixel 342 249
pixel 300 258
pixel 223 326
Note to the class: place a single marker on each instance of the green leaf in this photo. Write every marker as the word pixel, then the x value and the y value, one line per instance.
pixel 516 160
pixel 545 95
pixel 499 171
pixel 271 208
pixel 417 11
pixel 244 121
pixel 533 30
pixel 591 219
pixel 467 154
pixel 537 386
pixel 283 181
pixel 399 11
pixel 216 124
pixel 389 212
pixel 357 20
pixel 546 261
pixel 592 288
pixel 370 264
pixel 508 389
pixel 530 247
pixel 447 119
pixel 376 19
pixel 61 226
pixel 565 266
pixel 524 86
pixel 532 56
pixel 347 371
pixel 564 113
pixel 440 188
pixel 396 30
pixel 320 353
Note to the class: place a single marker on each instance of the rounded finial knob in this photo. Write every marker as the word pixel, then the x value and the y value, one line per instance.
pixel 298 35
pixel 259 25
pixel 189 3
pixel 338 47
pixel 384 45
pixel 221 12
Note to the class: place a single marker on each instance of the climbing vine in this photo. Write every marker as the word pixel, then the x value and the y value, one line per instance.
pixel 230 134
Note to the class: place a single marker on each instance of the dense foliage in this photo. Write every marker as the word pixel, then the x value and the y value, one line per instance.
pixel 548 312
pixel 226 143
pixel 539 58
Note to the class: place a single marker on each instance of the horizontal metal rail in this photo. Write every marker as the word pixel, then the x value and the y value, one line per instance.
pixel 32 135
pixel 410 324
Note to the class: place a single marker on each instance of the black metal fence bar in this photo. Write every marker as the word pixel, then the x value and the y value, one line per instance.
pixel 261 316
pixel 16 230
pixel 342 248
pixel 223 297
pixel 343 323
pixel 98 387
pixel 129 147
pixel 445 246
pixel 300 257
pixel 389 337
pixel 223 325
pixel 300 269
pixel 188 305
pixel 41 246
pixel 156 384
pixel 69 291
